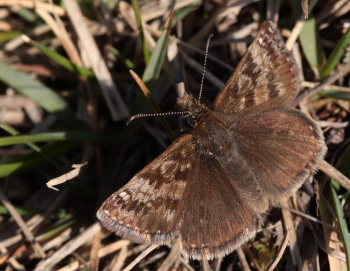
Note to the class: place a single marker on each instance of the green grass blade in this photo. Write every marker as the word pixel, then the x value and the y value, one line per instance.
pixel 14 132
pixel 342 224
pixel 335 94
pixel 61 60
pixel 146 48
pixel 127 62
pixel 311 44
pixel 336 55
pixel 183 12
pixel 54 136
pixel 35 90
pixel 21 210
pixel 9 35
pixel 28 15
pixel 35 159
pixel 156 62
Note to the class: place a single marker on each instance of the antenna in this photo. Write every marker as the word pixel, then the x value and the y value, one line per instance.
pixel 204 66
pixel 137 116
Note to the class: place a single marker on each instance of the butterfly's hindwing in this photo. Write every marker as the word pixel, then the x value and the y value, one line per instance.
pixel 282 146
pixel 217 218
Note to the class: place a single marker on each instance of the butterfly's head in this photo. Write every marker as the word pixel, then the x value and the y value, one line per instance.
pixel 195 109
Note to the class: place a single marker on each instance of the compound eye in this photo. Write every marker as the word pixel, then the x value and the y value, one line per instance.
pixel 191 122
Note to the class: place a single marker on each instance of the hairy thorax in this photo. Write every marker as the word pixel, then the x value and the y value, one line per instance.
pixel 211 137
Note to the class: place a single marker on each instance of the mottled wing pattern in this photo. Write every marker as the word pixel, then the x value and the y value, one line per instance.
pixel 282 146
pixel 145 209
pixel 216 218
pixel 266 72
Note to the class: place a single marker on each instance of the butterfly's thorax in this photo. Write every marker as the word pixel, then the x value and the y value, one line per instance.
pixel 211 135
pixel 213 138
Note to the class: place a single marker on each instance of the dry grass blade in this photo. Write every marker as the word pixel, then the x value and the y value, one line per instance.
pixel 342 71
pixel 172 257
pixel 141 84
pixel 140 257
pixel 84 238
pixel 293 244
pixel 119 261
pixel 206 266
pixel 333 173
pixel 280 252
pixel 49 7
pixel 65 177
pixel 243 259
pixel 298 27
pixel 110 92
pixel 20 222
pixel 96 243
pixel 305 7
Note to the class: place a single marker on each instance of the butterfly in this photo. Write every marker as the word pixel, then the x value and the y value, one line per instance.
pixel 211 188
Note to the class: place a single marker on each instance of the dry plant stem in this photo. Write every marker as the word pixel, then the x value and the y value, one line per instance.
pixel 94 259
pixel 70 267
pixel 172 257
pixel 110 92
pixel 61 33
pixel 218 264
pixel 243 259
pixel 141 84
pixel 333 173
pixel 297 28
pixel 185 263
pixel 34 4
pixel 280 253
pixel 305 7
pixel 342 71
pixel 308 84
pixel 120 259
pixel 309 217
pixel 272 10
pixel 206 266
pixel 66 177
pixel 85 237
pixel 111 248
pixel 158 10
pixel 140 257
pixel 293 244
pixel 22 225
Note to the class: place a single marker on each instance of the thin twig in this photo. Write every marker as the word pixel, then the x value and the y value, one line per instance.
pixel 280 252
pixel 335 174
pixel 243 259
pixel 85 237
pixel 342 71
pixel 110 92
pixel 140 257
pixel 21 224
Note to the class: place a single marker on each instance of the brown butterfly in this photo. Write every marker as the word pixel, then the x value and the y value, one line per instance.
pixel 212 187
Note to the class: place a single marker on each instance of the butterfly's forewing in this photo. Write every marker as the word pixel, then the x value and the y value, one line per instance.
pixel 266 72
pixel 145 209
pixel 282 145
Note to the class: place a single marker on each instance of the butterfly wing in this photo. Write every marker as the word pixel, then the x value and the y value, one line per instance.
pixel 144 210
pixel 216 218
pixel 266 72
pixel 182 194
pixel 282 145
